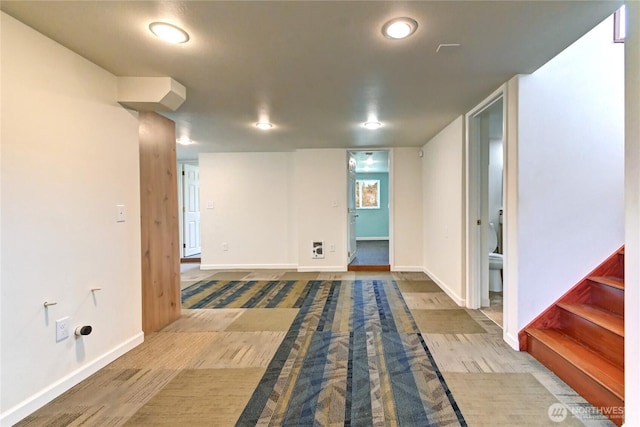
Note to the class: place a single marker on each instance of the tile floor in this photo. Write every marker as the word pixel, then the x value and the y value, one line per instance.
pixel 494 311
pixel 203 369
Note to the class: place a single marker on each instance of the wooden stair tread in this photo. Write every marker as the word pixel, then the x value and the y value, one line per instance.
pixel 614 282
pixel 606 319
pixel 595 366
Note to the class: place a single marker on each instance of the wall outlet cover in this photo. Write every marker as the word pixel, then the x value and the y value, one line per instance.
pixel 62 329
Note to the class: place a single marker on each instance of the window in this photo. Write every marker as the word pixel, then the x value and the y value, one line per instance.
pixel 619 25
pixel 367 194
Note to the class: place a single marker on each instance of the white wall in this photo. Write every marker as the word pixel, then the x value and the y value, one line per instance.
pixel 69 156
pixel 443 222
pixel 510 217
pixel 251 195
pixel 269 207
pixel 571 163
pixel 320 179
pixel 407 220
pixel 496 167
pixel 632 217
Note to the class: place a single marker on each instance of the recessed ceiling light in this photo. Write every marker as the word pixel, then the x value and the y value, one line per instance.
pixel 264 125
pixel 399 28
pixel 169 33
pixel 372 125
pixel 185 141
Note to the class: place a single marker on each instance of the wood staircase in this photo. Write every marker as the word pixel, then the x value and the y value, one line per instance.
pixel 581 337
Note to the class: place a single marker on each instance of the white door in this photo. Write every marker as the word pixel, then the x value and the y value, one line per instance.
pixel 351 208
pixel 191 209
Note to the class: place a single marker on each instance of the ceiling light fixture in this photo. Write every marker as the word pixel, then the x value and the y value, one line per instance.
pixel 183 140
pixel 399 28
pixel 168 32
pixel 369 155
pixel 264 125
pixel 372 125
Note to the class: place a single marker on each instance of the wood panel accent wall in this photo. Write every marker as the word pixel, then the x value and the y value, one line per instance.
pixel 159 222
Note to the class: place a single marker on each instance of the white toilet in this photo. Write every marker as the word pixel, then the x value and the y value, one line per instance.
pixel 495 261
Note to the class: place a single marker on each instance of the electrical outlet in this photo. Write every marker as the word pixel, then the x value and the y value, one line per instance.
pixel 225 246
pixel 332 247
pixel 62 329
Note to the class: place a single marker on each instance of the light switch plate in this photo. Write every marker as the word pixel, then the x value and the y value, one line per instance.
pixel 121 214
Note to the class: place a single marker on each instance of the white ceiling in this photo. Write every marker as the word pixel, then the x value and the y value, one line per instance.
pixel 317 69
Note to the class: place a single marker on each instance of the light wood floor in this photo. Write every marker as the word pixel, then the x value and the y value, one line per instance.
pixel 495 309
pixel 202 369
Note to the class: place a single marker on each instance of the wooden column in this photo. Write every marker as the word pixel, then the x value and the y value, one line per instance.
pixel 159 222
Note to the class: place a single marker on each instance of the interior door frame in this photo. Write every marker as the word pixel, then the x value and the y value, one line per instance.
pixel 351 207
pixel 179 183
pixel 476 234
pixel 185 210
pixel 181 216
pixel 391 202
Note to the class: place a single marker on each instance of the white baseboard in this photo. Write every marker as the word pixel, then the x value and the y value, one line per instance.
pixel 248 266
pixel 331 268
pixel 456 298
pixel 372 238
pixel 38 400
pixel 407 268
pixel 513 342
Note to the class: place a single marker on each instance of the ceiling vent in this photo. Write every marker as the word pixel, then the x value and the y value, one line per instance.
pixel 447 46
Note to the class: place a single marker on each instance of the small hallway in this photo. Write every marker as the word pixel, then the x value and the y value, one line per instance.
pixel 372 201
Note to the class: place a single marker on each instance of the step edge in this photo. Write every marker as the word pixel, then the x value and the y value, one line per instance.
pixel 596 321
pixel 611 281
pixel 580 366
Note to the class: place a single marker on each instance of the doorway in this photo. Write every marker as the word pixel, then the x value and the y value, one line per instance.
pixel 485 207
pixel 369 211
pixel 189 202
